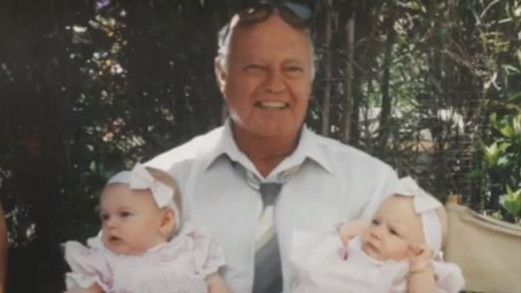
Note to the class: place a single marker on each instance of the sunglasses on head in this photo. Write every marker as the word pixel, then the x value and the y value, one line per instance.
pixel 294 14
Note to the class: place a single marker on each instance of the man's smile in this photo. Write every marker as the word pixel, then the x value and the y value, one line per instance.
pixel 275 105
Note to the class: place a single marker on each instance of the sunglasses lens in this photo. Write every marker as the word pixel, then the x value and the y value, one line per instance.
pixel 254 14
pixel 295 14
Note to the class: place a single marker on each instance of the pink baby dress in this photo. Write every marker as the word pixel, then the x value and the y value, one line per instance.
pixel 178 266
pixel 323 264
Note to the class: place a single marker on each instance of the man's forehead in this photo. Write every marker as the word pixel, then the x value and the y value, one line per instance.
pixel 274 29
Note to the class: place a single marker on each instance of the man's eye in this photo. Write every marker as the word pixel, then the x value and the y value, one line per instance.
pixel 254 68
pixel 294 69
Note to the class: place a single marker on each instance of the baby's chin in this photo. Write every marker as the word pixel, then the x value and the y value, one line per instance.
pixel 118 247
pixel 125 250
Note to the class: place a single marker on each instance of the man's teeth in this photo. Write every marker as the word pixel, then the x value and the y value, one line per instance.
pixel 272 104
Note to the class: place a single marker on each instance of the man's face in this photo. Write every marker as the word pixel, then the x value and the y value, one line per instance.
pixel 393 230
pixel 130 220
pixel 267 83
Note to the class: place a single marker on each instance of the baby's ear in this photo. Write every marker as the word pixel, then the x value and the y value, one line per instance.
pixel 168 223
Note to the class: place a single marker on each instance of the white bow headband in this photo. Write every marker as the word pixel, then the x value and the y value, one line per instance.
pixel 425 205
pixel 140 178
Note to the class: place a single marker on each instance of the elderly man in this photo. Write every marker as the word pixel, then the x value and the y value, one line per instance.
pixel 254 181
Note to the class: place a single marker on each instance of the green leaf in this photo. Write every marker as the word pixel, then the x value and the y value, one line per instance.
pixel 493 119
pixel 492 154
pixel 511 201
pixel 516 124
pixel 475 174
pixel 503 147
pixel 507 131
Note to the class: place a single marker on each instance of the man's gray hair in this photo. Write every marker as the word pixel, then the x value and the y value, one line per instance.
pixel 224 38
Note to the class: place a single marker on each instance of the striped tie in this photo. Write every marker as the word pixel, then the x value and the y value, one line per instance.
pixel 268 270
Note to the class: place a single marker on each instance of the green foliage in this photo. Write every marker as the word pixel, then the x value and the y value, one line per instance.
pixel 502 162
pixel 511 201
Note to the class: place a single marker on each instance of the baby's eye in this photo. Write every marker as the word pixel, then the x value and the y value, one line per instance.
pixel 124 214
pixel 394 232
pixel 375 222
pixel 104 217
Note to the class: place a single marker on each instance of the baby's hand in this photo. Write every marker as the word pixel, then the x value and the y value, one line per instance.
pixel 421 259
pixel 93 289
pixel 350 230
pixel 78 290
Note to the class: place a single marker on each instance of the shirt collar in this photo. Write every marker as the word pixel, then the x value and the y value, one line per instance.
pixel 308 148
pixel 224 145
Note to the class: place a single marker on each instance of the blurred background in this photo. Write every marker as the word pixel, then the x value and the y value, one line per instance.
pixel 89 87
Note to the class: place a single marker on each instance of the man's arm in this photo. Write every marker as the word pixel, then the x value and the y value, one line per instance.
pixel 3 250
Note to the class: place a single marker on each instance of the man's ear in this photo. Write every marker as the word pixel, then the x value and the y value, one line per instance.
pixel 220 72
pixel 168 223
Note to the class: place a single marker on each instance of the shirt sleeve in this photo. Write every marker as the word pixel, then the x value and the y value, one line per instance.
pixel 449 277
pixel 88 267
pixel 387 180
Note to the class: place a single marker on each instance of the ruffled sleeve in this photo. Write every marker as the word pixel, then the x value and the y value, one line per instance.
pixel 88 267
pixel 449 277
pixel 208 256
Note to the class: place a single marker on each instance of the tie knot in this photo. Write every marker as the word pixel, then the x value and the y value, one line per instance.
pixel 269 192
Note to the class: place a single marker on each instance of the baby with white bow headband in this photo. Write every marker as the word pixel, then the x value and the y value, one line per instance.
pixel 143 246
pixel 398 251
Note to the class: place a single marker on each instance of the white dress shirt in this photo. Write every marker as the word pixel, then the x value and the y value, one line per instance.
pixel 334 182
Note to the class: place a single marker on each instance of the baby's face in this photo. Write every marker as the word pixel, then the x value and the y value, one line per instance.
pixel 393 230
pixel 130 220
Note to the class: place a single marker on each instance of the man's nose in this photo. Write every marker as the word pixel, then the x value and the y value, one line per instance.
pixel 275 81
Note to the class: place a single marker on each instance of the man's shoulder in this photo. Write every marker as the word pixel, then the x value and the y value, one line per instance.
pixel 187 151
pixel 345 154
